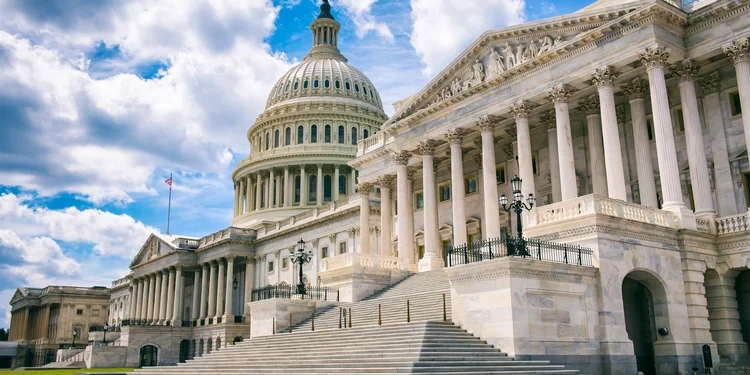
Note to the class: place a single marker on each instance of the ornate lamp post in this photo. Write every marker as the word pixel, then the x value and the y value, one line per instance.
pixel 104 339
pixel 301 258
pixel 235 284
pixel 75 334
pixel 518 206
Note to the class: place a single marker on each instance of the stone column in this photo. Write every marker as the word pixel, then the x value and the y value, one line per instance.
pixel 319 187
pixel 178 298
pixel 212 292
pixel 655 59
pixel 364 217
pixel 143 295
pixel 161 292
pixel 723 314
pixel 386 214
pixel 568 182
pixel 241 203
pixel 271 189
pixel 695 297
pixel 164 295
pixel 250 203
pixel 194 311
pixel 279 191
pixel 249 278
pixel 605 82
pixel 739 52
pixel 704 203
pixel 170 293
pixel 636 91
pixel 554 162
pixel 432 258
pixel 277 266
pixel 228 313
pixel 287 188
pixel 458 193
pixel 236 200
pixel 258 191
pixel 151 297
pixel 722 169
pixel 133 298
pixel 335 191
pixel 489 176
pixel 304 191
pixel 520 111
pixel 204 291
pixel 590 106
pixel 352 180
pixel 405 231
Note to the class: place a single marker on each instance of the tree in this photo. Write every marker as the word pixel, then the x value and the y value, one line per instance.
pixel 3 334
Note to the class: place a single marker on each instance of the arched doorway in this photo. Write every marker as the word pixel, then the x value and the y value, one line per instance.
pixel 184 350
pixel 643 295
pixel 149 355
pixel 200 348
pixel 218 343
pixel 209 346
pixel 742 288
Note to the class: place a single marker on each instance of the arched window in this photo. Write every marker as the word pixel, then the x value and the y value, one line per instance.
pixel 326 83
pixel 263 195
pixel 288 137
pixel 306 84
pixel 316 84
pixel 342 185
pixel 337 84
pixel 297 188
pixel 314 134
pixel 268 141
pixel 348 86
pixel 356 87
pixel 287 88
pixel 296 86
pixel 300 134
pixel 365 134
pixel 327 188
pixel 313 189
pixel 327 134
pixel 276 138
pixel 354 135
pixel 342 137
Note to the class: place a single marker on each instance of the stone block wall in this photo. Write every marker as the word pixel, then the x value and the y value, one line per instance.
pixel 106 356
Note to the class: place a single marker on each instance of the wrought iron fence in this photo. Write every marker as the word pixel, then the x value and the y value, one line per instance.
pixel 519 247
pixel 290 291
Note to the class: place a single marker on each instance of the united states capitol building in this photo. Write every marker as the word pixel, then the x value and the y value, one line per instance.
pixel 624 123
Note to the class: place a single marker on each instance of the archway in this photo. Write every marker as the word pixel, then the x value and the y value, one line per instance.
pixel 742 287
pixel 209 346
pixel 728 303
pixel 200 348
pixel 184 350
pixel 645 307
pixel 149 355
pixel 218 343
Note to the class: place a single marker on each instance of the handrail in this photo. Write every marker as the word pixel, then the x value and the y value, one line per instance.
pixel 291 292
pixel 530 248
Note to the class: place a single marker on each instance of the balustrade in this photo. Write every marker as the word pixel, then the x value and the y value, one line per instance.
pixel 363 260
pixel 732 224
pixel 592 204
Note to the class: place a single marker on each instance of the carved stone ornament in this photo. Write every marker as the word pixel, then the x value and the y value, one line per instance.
pixel 710 83
pixel 315 243
pixel 548 119
pixel 520 109
pixel 685 70
pixel 635 89
pixel 738 51
pixel 512 132
pixel 485 123
pixel 508 150
pixel 620 114
pixel 605 76
pixel 386 181
pixel 154 249
pixel 455 136
pixel 478 159
pixel 351 232
pixel 654 57
pixel 590 105
pixel 559 94
pixel 332 238
pixel 401 157
pixel 427 147
pixel 410 174
pixel 364 187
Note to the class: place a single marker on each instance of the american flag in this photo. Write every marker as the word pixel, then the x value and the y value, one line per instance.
pixel 169 182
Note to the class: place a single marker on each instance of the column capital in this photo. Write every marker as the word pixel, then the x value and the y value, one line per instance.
pixel 548 119
pixel 401 157
pixel 364 187
pixel 455 136
pixel 386 181
pixel 605 76
pixel 654 57
pixel 620 113
pixel 559 94
pixel 332 236
pixel 486 124
pixel 521 108
pixel 738 50
pixel 314 243
pixel 231 258
pixel 276 253
pixel 685 70
pixel 710 83
pixel 410 174
pixel 635 89
pixel 590 105
pixel 427 147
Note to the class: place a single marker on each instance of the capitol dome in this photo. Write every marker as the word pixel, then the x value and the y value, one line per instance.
pixel 316 115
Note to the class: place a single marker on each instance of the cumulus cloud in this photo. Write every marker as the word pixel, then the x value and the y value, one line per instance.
pixel 442 29
pixel 361 13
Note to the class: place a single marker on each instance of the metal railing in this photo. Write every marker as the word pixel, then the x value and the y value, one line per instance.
pixel 290 292
pixel 520 247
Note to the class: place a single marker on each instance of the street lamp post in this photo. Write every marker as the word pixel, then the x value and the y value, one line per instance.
pixel 106 328
pixel 301 258
pixel 75 334
pixel 518 206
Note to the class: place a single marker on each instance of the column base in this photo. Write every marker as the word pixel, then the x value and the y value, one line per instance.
pixel 431 262
pixel 227 318
pixel 684 217
pixel 175 323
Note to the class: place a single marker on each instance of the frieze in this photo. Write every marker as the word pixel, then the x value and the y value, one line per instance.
pixel 494 274
pixel 617 232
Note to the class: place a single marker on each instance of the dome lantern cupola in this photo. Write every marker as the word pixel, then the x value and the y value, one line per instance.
pixel 325 32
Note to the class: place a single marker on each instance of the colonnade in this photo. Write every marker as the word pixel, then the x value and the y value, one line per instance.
pixel 278 187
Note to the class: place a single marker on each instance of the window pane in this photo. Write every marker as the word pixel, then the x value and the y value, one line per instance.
pixel 341 134
pixel 300 135
pixel 288 136
pixel 314 134
pixel 276 138
pixel 365 134
pixel 354 136
pixel 313 188
pixel 327 188
pixel 327 135
pixel 420 200
pixel 342 185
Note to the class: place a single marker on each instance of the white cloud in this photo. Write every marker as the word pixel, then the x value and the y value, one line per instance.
pixel 442 29
pixel 361 13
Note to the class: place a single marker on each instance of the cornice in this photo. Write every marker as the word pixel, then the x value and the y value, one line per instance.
pixel 246 166
pixel 716 13
pixel 310 224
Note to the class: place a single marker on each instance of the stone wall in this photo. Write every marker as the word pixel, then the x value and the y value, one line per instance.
pixel 106 356
pixel 265 313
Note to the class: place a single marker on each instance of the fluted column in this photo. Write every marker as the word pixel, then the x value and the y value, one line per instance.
pixel 489 176
pixel 432 258
pixel 249 201
pixel 520 111
pixel 605 82
pixel 271 189
pixel 178 298
pixel 212 291
pixel 161 291
pixel 204 291
pixel 194 309
pixel 304 194
pixel 718 140
pixel 739 52
pixel 249 281
pixel 241 196
pixel 655 59
pixel 164 295
pixel 548 119
pixel 133 299
pixel 458 193
pixel 405 231
pixel 151 297
pixel 287 188
pixel 568 183
pixel 364 217
pixel 590 106
pixel 258 191
pixel 386 214
pixel 170 293
pixel 636 91
pixel 236 200
pixel 228 314
pixel 279 191
pixel 704 204
pixel 335 188
pixel 352 180
pixel 143 297
pixel 319 186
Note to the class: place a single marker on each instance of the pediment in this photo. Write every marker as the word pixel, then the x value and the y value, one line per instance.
pixel 153 248
pixel 17 296
pixel 501 54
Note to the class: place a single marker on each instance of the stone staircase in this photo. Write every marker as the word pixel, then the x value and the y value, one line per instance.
pixel 426 345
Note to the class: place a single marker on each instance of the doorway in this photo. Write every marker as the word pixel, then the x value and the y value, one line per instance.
pixel 184 350
pixel 149 354
pixel 640 324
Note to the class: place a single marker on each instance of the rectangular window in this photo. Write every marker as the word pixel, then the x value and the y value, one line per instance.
pixel 503 233
pixel 445 192
pixel 470 184
pixel 342 247
pixel 500 175
pixel 270 266
pixel 95 312
pixel 79 312
pixel 284 263
pixel 419 200
pixel 324 252
pixel 734 101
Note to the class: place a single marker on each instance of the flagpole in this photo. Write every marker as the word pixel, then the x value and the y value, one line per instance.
pixel 169 208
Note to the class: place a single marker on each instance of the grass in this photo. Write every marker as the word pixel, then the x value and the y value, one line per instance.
pixel 64 371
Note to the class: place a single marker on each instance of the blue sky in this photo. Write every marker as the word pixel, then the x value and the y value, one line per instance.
pixel 101 100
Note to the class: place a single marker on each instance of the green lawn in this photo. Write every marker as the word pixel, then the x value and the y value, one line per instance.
pixel 64 371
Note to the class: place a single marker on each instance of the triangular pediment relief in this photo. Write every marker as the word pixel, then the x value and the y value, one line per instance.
pixel 503 54
pixel 19 294
pixel 153 248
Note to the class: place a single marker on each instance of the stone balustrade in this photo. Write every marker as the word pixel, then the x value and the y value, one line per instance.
pixel 593 204
pixel 732 224
pixel 363 260
pixel 368 144
pixel 228 233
